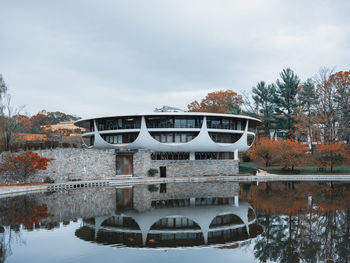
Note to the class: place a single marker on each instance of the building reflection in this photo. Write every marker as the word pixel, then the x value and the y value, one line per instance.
pixel 174 215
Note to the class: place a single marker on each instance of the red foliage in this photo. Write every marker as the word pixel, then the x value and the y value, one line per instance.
pixel 264 149
pixel 25 164
pixel 331 154
pixel 27 215
pixel 218 102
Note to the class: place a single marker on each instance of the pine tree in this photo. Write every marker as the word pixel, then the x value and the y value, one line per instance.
pixel 263 96
pixel 285 99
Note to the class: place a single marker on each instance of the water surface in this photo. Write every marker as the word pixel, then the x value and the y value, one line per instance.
pixel 188 222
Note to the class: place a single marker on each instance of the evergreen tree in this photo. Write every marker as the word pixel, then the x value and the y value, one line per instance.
pixel 285 99
pixel 263 96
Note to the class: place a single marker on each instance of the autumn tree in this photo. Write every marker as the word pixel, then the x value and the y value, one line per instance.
pixel 291 153
pixel 24 123
pixel 218 102
pixel 38 120
pixel 331 154
pixel 57 117
pixel 263 149
pixel 285 99
pixel 25 164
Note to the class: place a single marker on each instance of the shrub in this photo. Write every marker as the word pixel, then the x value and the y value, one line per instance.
pixel 329 155
pixel 263 149
pixel 245 158
pixel 152 172
pixel 49 180
pixel 153 188
pixel 65 145
pixel 24 165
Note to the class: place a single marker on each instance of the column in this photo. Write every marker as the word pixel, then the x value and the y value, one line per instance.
pixel 192 156
pixel 236 155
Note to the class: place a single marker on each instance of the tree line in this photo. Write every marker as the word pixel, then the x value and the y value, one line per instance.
pixel 315 110
pixel 14 121
pixel 313 113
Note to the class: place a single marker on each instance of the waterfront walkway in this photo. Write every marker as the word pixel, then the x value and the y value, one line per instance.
pixel 129 181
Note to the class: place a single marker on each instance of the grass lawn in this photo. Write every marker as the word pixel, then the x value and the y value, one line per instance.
pixel 249 167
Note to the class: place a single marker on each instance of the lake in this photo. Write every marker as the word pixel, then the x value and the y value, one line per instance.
pixel 180 222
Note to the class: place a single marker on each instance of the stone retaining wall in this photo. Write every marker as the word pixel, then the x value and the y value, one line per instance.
pixel 183 168
pixel 93 164
pixel 73 163
pixel 84 164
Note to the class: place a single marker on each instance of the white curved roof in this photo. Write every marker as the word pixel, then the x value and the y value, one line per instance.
pixel 199 114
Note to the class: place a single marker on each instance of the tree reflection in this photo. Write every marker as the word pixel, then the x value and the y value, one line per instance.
pixel 305 222
pixel 16 213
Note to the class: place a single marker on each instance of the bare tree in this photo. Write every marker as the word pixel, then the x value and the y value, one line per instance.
pixel 10 124
pixel 326 109
pixel 3 90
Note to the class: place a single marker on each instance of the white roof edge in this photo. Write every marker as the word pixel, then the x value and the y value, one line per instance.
pixel 173 114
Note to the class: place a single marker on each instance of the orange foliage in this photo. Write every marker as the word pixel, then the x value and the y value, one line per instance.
pixel 291 153
pixel 25 164
pixel 27 216
pixel 217 102
pixel 264 149
pixel 291 198
pixel 331 154
pixel 341 78
pixel 31 137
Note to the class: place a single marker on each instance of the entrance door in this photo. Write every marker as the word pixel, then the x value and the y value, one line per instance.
pixel 162 171
pixel 124 164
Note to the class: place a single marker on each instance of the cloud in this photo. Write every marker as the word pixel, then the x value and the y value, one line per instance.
pixel 109 57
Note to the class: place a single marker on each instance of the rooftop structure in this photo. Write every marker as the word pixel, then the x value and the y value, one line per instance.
pixel 171 132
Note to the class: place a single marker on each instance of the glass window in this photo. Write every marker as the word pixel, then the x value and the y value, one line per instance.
pixel 162 138
pixel 169 137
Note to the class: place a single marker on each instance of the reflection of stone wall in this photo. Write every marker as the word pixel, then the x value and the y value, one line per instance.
pixel 83 203
pixel 143 197
pixel 64 206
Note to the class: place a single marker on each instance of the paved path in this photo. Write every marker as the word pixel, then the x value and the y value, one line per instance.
pixel 261 177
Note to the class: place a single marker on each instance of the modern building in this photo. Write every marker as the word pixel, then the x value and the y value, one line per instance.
pixel 173 135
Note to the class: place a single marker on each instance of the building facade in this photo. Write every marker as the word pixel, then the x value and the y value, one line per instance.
pixel 172 136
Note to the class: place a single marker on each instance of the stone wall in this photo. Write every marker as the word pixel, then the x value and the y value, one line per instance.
pixel 94 164
pixel 73 163
pixel 185 168
pixel 142 163
pixel 182 168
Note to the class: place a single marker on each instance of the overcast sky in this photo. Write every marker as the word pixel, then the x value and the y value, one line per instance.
pixel 104 57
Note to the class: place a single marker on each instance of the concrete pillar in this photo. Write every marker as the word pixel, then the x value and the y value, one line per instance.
pixel 236 201
pixel 192 201
pixel 236 155
pixel 309 200
pixel 192 156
